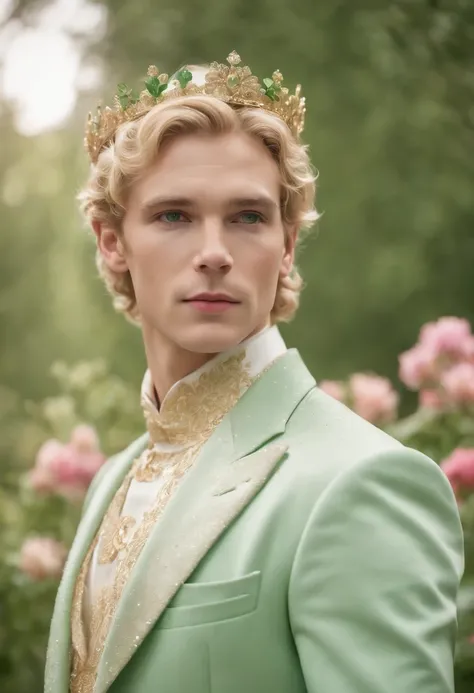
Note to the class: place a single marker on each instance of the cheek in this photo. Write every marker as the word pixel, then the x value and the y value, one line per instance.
pixel 263 268
pixel 150 278
pixel 269 253
pixel 151 258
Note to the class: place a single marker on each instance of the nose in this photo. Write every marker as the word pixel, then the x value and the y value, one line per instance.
pixel 213 255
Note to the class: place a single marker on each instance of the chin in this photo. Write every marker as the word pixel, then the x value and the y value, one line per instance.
pixel 212 339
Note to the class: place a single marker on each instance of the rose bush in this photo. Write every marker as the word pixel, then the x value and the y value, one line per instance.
pixel 46 471
pixel 67 468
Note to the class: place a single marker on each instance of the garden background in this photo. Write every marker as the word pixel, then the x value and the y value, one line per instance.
pixel 390 124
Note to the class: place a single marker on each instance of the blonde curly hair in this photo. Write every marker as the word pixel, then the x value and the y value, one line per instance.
pixel 137 145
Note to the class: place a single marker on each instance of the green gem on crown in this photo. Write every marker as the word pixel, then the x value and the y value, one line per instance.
pixel 126 96
pixel 184 77
pixel 271 89
pixel 155 87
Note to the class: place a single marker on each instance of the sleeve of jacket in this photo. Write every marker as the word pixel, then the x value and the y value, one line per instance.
pixel 373 590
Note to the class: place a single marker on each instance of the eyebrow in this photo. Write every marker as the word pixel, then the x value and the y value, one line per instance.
pixel 260 202
pixel 155 202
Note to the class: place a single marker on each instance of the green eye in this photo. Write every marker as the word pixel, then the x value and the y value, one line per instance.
pixel 250 218
pixel 171 217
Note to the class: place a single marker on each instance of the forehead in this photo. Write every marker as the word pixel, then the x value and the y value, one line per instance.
pixel 206 167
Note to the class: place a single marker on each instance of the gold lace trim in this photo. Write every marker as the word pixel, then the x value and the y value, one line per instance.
pixel 154 463
pixel 115 529
pixel 195 408
pixel 86 656
pixel 190 411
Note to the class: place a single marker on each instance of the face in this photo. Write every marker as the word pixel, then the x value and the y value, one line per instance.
pixel 204 242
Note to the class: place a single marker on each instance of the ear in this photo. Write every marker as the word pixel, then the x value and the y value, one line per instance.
pixel 289 253
pixel 110 246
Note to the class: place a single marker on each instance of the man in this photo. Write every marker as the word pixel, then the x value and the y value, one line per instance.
pixel 260 537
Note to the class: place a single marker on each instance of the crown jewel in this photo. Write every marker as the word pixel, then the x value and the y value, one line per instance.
pixel 233 83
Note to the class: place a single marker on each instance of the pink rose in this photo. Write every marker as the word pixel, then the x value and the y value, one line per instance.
pixel 47 453
pixel 84 438
pixel 74 469
pixel 41 480
pixel 373 397
pixel 42 558
pixel 417 366
pixel 468 348
pixel 459 468
pixel 68 469
pixel 333 388
pixel 88 464
pixel 431 399
pixel 458 383
pixel 447 336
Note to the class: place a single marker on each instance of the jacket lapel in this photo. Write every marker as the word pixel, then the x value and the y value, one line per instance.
pixel 233 466
pixel 58 656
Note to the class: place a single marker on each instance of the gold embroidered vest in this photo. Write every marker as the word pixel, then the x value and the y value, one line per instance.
pixel 189 414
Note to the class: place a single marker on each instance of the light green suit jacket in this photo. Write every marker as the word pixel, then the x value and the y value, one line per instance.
pixel 306 551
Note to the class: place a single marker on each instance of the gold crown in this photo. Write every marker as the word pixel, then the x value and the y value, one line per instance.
pixel 233 83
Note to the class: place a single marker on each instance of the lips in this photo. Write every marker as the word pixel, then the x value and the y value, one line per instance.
pixel 212 304
pixel 211 298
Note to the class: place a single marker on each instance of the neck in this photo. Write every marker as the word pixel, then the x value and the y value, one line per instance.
pixel 168 363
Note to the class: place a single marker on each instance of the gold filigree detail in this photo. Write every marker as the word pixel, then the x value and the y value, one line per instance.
pixel 82 667
pixel 115 529
pixel 234 58
pixel 155 462
pixel 233 83
pixel 87 648
pixel 193 409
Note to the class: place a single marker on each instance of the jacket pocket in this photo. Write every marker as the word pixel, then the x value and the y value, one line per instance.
pixel 198 603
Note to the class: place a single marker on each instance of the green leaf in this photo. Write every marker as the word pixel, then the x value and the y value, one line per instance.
pixel 122 89
pixel 271 89
pixel 152 85
pixel 184 77
pixel 134 96
pixel 155 87
pixel 126 96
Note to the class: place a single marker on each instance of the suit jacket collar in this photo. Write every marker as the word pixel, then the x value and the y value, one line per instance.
pixel 270 402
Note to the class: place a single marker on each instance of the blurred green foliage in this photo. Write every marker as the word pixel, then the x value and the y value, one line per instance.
pixel 390 124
